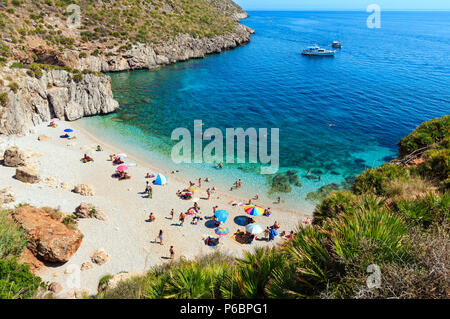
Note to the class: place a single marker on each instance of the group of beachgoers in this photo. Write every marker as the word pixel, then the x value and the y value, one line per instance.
pixel 269 233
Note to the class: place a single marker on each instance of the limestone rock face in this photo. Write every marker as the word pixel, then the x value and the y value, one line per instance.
pixel 150 56
pixel 48 239
pixel 13 157
pixel 83 189
pixel 27 175
pixel 55 94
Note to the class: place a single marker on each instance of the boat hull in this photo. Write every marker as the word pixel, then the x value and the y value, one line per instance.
pixel 318 54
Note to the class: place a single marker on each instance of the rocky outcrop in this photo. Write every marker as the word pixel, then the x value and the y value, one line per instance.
pixel 14 157
pixel 57 93
pixel 27 175
pixel 99 257
pixel 86 266
pixel 48 239
pixel 85 210
pixel 230 9
pixel 83 189
pixel 55 287
pixel 150 56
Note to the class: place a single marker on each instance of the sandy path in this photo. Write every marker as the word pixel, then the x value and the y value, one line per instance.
pixel 125 236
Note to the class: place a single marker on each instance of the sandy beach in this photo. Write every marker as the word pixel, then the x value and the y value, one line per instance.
pixel 126 236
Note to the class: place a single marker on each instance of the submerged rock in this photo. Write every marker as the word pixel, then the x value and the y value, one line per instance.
pixel 322 192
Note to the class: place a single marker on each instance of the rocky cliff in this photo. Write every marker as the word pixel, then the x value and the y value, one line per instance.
pixel 119 35
pixel 28 101
pixel 145 56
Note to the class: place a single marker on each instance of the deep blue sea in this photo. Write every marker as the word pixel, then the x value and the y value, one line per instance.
pixel 337 116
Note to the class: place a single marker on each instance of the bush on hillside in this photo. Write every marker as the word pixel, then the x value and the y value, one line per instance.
pixel 376 180
pixel 12 237
pixel 16 281
pixel 426 134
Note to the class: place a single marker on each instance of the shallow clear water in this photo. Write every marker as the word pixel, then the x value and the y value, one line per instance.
pixel 336 116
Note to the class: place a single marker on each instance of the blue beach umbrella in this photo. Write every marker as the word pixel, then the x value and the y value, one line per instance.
pixel 160 180
pixel 68 130
pixel 221 215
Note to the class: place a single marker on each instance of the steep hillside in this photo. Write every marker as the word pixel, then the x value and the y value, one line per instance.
pixel 117 35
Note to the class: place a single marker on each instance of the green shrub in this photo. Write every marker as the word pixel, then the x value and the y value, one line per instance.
pixel 71 221
pixel 337 203
pixel 16 281
pixel 12 237
pixel 425 211
pixel 17 65
pixel 376 180
pixel 14 86
pixel 426 134
pixel 77 77
pixel 252 274
pixel 53 213
pixel 4 99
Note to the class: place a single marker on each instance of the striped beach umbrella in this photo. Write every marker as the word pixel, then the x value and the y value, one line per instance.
pixel 160 180
pixel 254 210
pixel 222 230
pixel 193 188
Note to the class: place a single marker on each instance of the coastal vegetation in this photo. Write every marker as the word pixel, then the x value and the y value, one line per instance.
pixel 108 24
pixel 395 218
pixel 16 280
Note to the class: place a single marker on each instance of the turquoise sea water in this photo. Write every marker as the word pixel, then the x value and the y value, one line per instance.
pixel 337 116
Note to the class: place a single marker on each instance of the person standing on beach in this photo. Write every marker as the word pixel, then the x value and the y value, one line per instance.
pixel 279 200
pixel 160 236
pixel 199 182
pixel 172 252
pixel 214 209
pixel 182 217
pixel 171 214
pixel 208 192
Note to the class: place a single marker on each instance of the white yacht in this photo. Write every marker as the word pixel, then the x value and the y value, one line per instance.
pixel 315 50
